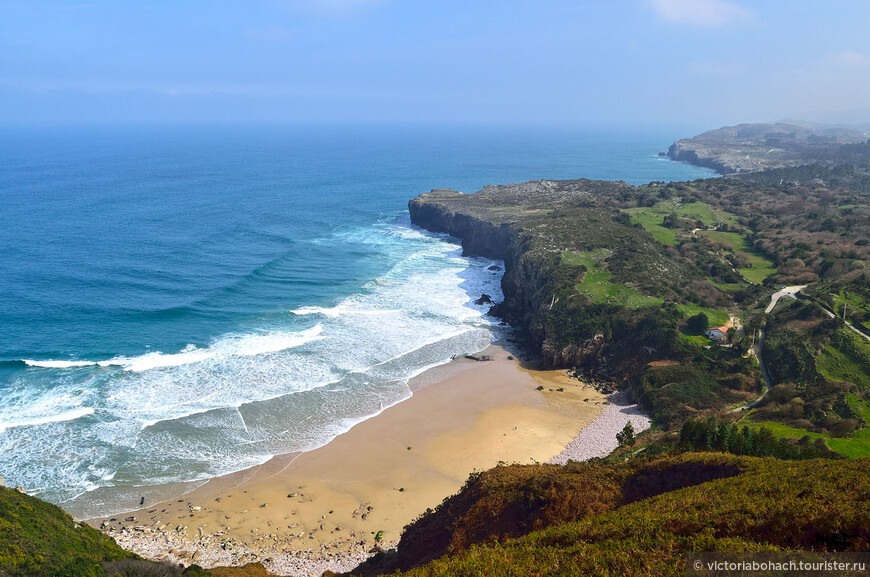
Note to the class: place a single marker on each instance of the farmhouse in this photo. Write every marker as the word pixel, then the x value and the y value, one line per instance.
pixel 718 334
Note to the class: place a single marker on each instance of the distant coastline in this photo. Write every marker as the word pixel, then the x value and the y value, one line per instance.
pixel 747 148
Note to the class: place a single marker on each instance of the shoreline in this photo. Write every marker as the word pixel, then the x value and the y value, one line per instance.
pixel 304 513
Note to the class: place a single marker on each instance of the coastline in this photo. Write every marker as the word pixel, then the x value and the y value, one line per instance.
pixel 304 513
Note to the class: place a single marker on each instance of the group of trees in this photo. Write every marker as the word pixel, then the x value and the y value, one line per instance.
pixel 708 434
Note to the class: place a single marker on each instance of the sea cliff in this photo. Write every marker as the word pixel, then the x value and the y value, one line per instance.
pixel 532 226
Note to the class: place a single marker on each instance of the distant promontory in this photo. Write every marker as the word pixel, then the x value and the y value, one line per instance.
pixel 755 147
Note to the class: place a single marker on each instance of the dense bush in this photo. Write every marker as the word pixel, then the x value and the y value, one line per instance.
pixel 676 505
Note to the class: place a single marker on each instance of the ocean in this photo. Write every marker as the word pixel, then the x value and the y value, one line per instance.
pixel 180 303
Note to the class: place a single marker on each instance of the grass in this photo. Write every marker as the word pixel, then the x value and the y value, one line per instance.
pixel 37 538
pixel 781 430
pixel 651 221
pixel 597 286
pixel 650 218
pixel 854 447
pixel 846 358
pixel 728 286
pixel 860 407
pixel 854 302
pixel 717 317
pixel 696 339
pixel 761 267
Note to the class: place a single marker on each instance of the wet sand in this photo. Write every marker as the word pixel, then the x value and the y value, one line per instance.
pixel 301 514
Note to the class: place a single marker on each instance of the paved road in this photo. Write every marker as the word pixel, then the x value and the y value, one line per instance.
pixel 848 324
pixel 789 291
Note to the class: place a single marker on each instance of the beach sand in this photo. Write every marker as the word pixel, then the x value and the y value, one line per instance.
pixel 304 513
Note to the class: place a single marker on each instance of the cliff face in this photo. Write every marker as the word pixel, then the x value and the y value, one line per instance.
pixel 552 236
pixel 490 224
pixel 523 280
pixel 479 237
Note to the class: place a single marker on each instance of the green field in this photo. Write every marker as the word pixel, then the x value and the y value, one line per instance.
pixel 854 302
pixel 860 407
pixel 696 339
pixel 846 357
pixel 855 447
pixel 728 286
pixel 717 317
pixel 761 266
pixel 651 221
pixel 597 286
pixel 650 218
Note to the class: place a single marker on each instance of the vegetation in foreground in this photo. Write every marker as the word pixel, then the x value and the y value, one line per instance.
pixel 41 539
pixel 639 517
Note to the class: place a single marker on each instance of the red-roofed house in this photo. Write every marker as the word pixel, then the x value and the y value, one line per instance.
pixel 718 334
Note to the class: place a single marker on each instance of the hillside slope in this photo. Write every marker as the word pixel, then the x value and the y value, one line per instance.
pixel 639 517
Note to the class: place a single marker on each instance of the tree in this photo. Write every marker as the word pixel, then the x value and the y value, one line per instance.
pixel 625 437
pixel 671 221
pixel 698 323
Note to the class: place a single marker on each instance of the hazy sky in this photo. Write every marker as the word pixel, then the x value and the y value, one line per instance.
pixel 699 63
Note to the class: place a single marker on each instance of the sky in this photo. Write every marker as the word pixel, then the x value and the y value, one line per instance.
pixel 692 63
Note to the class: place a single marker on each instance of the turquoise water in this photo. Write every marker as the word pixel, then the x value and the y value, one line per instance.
pixel 181 303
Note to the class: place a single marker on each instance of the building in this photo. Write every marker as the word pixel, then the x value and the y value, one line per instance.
pixel 718 334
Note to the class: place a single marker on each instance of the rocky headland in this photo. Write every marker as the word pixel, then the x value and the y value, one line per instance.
pixel 535 227
pixel 755 147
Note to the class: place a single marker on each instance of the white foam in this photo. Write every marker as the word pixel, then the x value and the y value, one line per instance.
pixel 69 415
pixel 272 342
pixel 414 316
pixel 238 345
pixel 51 364
pixel 342 309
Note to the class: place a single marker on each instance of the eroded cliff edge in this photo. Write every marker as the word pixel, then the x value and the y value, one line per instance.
pixel 538 228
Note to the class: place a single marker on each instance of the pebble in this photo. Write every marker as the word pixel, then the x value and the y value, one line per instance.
pixel 599 438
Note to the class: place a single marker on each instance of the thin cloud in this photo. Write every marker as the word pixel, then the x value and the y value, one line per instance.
pixel 700 12
pixel 850 59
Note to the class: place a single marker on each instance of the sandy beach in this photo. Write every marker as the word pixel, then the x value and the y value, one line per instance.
pixel 304 513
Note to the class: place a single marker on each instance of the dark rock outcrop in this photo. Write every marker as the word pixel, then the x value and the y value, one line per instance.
pixel 484 299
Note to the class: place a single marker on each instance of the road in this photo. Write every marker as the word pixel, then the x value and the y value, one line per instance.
pixel 765 376
pixel 848 324
pixel 789 291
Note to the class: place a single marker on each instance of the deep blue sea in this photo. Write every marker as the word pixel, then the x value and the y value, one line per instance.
pixel 179 303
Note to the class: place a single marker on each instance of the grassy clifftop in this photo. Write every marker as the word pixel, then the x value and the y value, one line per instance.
pixel 619 281
pixel 594 290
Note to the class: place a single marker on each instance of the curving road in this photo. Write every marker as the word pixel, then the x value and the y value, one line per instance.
pixel 789 291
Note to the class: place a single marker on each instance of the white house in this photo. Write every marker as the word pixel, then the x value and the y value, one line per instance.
pixel 718 334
